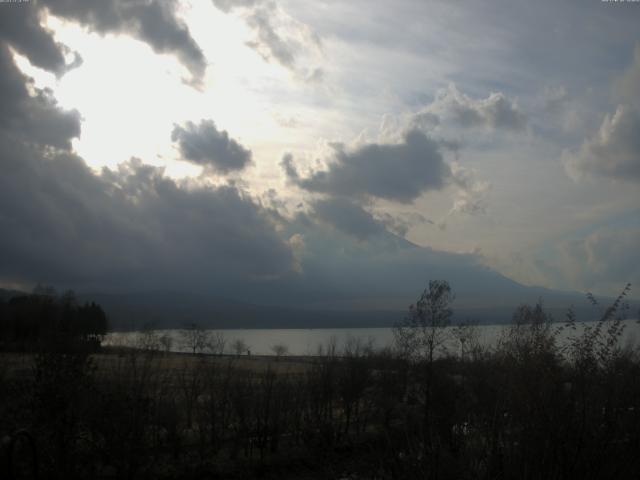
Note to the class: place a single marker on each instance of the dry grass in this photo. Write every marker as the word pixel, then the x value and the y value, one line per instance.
pixel 15 365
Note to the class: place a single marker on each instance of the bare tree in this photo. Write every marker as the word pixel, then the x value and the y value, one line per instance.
pixel 420 335
pixel 148 339
pixel 467 335
pixel 217 343
pixel 166 342
pixel 423 332
pixel 239 346
pixel 279 350
pixel 195 338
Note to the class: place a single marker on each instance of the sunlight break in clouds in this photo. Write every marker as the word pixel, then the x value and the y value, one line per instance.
pixel 400 133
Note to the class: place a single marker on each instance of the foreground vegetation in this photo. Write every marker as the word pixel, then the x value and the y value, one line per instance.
pixel 529 408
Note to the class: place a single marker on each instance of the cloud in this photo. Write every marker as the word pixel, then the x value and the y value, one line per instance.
pixel 563 114
pixel 129 228
pixel 287 121
pixel 399 172
pixel 230 5
pixel 289 168
pixel 32 119
pixel 497 111
pixel 278 37
pixel 613 152
pixel 205 145
pixel 612 254
pixel 468 204
pixel 401 223
pixel 132 228
pixel 355 179
pixel 20 27
pixel 385 271
pixel 272 200
pixel 268 43
pixel 555 98
pixel 627 86
pixel 152 21
pixel 297 245
pixel 347 217
pixel 315 75
pixel 472 192
pixel 604 260
pixel 424 120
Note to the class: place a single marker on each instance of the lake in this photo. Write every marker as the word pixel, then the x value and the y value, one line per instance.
pixel 307 341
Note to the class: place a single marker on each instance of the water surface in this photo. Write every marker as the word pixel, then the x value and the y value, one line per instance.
pixel 300 341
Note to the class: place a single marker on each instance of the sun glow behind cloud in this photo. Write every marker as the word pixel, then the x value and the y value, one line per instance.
pixel 130 98
pixel 374 62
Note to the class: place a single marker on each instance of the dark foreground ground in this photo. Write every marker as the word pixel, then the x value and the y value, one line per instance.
pixel 527 409
pixel 157 415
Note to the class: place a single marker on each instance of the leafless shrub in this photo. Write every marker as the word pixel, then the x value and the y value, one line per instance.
pixel 598 345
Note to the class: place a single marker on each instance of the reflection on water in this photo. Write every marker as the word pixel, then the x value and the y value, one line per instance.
pixel 307 341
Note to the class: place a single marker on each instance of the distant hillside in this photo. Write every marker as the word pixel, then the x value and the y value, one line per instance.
pixel 161 310
pixel 5 295
pixel 173 310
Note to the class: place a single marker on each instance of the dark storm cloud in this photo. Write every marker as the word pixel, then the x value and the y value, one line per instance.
pixel 152 21
pixel 132 227
pixel 347 217
pixel 129 228
pixel 32 119
pixel 400 172
pixel 205 145
pixel 20 27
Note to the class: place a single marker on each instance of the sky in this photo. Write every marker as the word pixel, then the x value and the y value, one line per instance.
pixel 325 152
